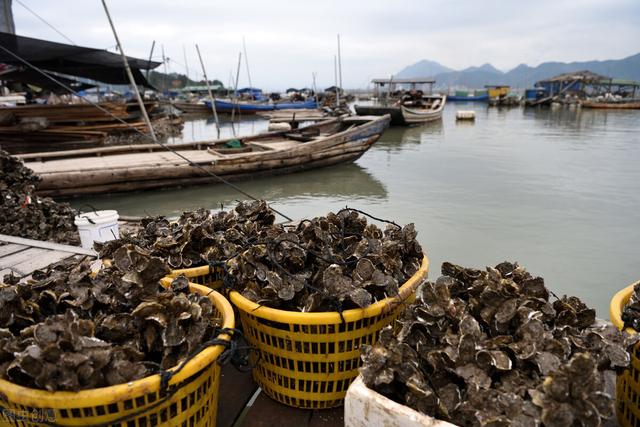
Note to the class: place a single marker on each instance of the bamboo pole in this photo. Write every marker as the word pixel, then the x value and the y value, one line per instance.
pixel 339 62
pixel 186 64
pixel 164 67
pixel 335 76
pixel 153 45
pixel 315 90
pixel 246 61
pixel 213 100
pixel 235 94
pixel 143 110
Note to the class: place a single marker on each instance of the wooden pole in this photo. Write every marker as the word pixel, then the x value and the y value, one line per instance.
pixel 335 76
pixel 315 90
pixel 246 61
pixel 186 64
pixel 235 92
pixel 211 98
pixel 150 56
pixel 143 110
pixel 164 67
pixel 339 62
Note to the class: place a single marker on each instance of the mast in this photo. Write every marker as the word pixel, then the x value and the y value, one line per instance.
pixel 211 98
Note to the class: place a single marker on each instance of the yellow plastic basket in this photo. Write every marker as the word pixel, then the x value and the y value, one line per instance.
pixel 210 277
pixel 308 360
pixel 628 382
pixel 191 397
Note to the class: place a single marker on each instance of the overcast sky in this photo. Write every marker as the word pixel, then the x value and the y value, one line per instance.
pixel 288 40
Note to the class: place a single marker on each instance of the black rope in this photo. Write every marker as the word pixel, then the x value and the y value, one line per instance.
pixel 144 135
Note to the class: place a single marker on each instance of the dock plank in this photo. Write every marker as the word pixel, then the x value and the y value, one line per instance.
pixel 10 248
pixel 29 266
pixel 20 257
pixel 236 389
pixel 266 412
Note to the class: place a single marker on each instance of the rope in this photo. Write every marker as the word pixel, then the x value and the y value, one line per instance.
pixel 46 22
pixel 161 144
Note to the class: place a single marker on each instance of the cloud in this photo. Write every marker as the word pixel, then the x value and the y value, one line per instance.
pixel 289 40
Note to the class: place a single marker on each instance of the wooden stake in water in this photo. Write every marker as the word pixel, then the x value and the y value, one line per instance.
pixel 143 110
pixel 211 98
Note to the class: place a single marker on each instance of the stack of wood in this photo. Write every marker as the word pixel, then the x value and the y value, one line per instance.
pixel 35 128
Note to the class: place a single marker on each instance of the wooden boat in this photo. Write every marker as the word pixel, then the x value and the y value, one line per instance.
pixel 254 107
pixel 380 110
pixel 137 167
pixel 191 107
pixel 611 105
pixel 428 110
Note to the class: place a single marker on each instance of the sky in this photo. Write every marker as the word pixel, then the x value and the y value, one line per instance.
pixel 287 41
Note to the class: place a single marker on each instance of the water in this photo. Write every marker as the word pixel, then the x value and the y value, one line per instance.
pixel 557 190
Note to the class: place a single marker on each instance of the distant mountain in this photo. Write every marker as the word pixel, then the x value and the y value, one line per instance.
pixel 424 68
pixel 521 76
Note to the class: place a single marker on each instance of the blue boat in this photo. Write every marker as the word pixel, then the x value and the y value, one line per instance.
pixel 250 108
pixel 479 98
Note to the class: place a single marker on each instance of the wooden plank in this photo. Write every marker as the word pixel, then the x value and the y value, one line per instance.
pixel 29 266
pixel 236 389
pixel 10 249
pixel 47 245
pixel 22 256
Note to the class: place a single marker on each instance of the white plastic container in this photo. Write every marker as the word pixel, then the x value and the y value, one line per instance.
pixel 465 115
pixel 364 407
pixel 98 226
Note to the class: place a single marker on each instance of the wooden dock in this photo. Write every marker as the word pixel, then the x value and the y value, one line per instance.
pixel 23 256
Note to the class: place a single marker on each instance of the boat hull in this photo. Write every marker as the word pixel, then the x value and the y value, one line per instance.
pixel 612 105
pixel 132 172
pixel 375 110
pixel 481 98
pixel 423 115
pixel 243 107
pixel 187 107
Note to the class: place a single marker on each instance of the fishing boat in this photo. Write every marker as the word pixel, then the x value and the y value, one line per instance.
pixel 146 166
pixel 426 110
pixel 254 107
pixel 612 105
pixel 192 107
pixel 407 112
pixel 464 96
pixel 468 98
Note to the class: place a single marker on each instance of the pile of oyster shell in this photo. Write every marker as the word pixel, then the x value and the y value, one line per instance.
pixel 26 215
pixel 69 329
pixel 329 263
pixel 199 236
pixel 631 311
pixel 489 347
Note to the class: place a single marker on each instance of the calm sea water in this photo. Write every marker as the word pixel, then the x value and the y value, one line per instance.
pixel 557 190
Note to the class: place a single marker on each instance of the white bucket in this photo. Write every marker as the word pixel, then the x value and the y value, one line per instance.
pixel 98 226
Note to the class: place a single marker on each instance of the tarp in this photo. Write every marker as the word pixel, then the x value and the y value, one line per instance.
pixel 95 64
